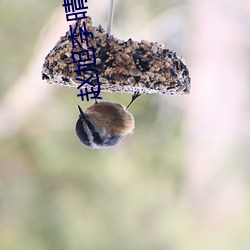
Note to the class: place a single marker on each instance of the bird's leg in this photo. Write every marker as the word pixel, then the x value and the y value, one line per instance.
pixel 134 97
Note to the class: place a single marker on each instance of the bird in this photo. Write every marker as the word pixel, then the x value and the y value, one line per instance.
pixel 104 124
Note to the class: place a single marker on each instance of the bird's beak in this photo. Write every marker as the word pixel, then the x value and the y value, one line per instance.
pixel 82 115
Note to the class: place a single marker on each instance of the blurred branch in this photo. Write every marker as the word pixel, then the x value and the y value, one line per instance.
pixel 29 91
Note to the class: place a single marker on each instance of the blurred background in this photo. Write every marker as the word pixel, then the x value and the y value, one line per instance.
pixel 180 182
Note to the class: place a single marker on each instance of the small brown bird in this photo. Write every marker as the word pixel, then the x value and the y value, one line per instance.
pixel 104 124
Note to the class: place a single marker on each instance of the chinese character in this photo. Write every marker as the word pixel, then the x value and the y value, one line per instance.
pixel 85 56
pixel 87 52
pixel 72 6
pixel 82 32
pixel 87 93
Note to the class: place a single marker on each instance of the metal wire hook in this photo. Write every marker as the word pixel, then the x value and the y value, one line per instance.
pixel 110 15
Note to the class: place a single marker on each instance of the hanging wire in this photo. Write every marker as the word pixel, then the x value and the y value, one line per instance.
pixel 110 15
